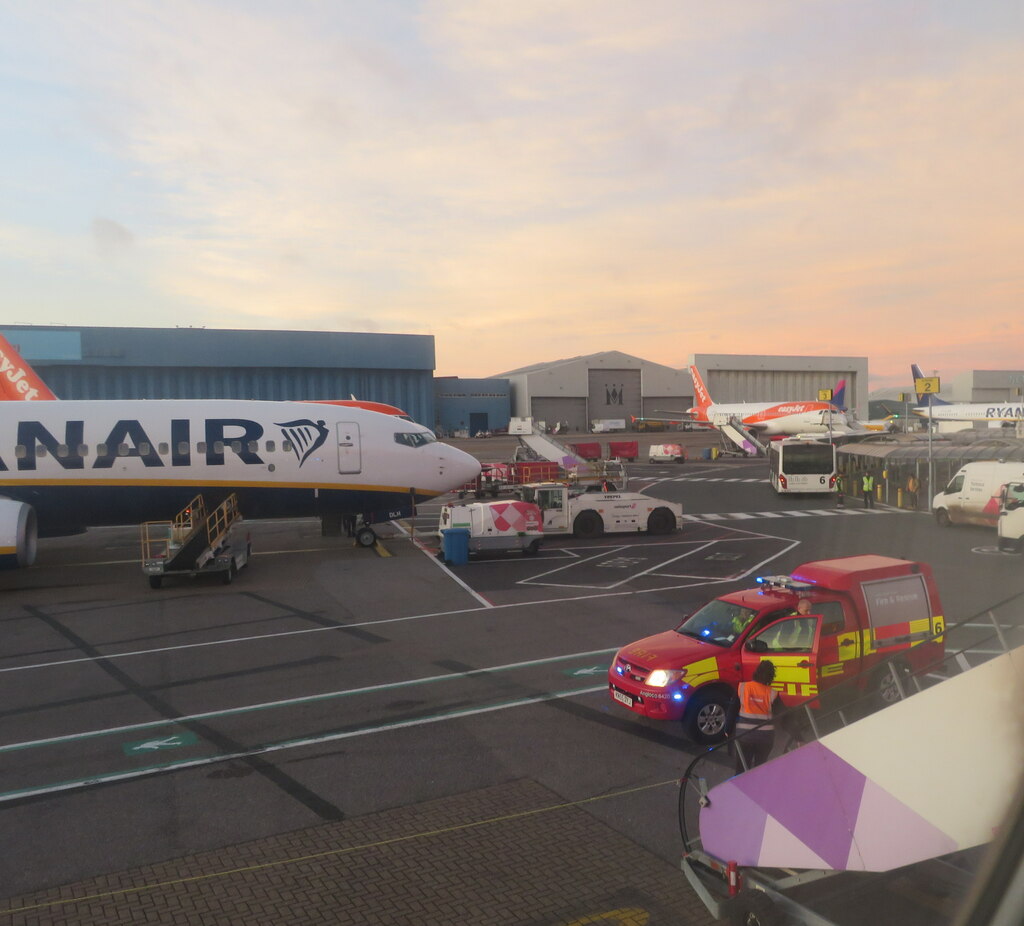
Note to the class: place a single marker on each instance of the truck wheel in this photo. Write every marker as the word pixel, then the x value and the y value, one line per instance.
pixel 661 521
pixel 156 581
pixel 228 575
pixel 533 549
pixel 942 518
pixel 705 721
pixel 365 537
pixel 884 688
pixel 588 524
pixel 753 908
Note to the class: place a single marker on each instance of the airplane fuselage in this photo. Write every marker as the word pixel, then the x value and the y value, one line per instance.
pixel 86 463
pixel 973 411
pixel 777 418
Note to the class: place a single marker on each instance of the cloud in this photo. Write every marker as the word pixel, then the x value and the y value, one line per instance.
pixel 558 179
pixel 110 237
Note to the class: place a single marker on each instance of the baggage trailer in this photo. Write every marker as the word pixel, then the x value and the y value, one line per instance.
pixel 196 543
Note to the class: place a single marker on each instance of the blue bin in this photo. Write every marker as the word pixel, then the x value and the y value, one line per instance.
pixel 455 545
pixel 706 453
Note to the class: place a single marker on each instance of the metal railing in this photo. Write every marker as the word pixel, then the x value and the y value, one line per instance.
pixel 802 723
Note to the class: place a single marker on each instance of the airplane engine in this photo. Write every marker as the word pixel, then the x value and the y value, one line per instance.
pixel 18 534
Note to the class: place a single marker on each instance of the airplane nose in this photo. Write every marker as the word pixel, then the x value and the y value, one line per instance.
pixel 457 468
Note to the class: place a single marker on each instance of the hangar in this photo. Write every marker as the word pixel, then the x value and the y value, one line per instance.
pixel 83 362
pixel 608 385
pixel 762 378
pixel 614 385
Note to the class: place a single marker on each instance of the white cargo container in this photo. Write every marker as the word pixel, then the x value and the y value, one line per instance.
pixel 496 526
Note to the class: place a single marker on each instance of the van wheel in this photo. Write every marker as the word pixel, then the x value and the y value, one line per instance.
pixel 705 721
pixel 661 521
pixel 753 908
pixel 885 690
pixel 942 518
pixel 588 525
pixel 533 549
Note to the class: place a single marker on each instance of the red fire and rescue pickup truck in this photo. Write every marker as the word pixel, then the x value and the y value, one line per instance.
pixel 863 610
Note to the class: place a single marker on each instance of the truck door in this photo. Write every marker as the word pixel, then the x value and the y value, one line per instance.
pixel 552 505
pixel 839 648
pixel 792 644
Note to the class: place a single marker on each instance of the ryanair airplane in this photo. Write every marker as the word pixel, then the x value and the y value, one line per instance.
pixel 67 465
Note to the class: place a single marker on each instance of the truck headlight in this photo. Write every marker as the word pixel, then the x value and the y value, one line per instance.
pixel 659 678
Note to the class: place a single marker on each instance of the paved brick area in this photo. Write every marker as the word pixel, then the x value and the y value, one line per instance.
pixel 486 857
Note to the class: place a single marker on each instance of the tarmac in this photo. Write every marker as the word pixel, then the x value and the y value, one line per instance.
pixel 514 854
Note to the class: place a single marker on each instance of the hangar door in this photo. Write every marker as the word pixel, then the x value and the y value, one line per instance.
pixel 568 409
pixel 615 394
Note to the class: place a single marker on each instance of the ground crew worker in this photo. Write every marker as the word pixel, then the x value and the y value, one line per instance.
pixel 756 700
pixel 912 487
pixel 840 485
pixel 867 487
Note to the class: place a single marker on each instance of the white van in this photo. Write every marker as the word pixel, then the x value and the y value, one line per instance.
pixel 972 496
pixel 666 453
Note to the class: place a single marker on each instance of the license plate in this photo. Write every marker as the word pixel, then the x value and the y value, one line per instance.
pixel 624 698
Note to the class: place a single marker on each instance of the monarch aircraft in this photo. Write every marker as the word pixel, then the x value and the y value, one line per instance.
pixel 67 465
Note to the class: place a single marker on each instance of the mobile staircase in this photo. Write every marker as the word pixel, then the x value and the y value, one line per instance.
pixel 195 543
pixel 737 440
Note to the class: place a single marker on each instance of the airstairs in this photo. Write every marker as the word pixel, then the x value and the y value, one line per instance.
pixel 195 541
pixel 736 439
pixel 537 446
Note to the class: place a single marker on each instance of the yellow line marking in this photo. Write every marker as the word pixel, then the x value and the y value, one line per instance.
pixel 332 852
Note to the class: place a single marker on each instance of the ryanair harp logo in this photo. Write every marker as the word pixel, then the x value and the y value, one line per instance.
pixel 305 435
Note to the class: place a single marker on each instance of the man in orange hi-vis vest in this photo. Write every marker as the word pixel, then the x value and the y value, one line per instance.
pixel 756 700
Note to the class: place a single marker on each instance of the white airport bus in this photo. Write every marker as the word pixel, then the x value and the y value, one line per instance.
pixel 802 465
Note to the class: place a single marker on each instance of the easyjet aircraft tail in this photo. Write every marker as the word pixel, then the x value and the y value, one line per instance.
pixel 923 397
pixel 18 381
pixel 700 391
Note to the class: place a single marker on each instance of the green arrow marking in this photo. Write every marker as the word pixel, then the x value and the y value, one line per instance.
pixel 585 672
pixel 156 743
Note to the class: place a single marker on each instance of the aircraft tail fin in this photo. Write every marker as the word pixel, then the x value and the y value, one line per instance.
pixel 924 398
pixel 700 391
pixel 839 395
pixel 18 381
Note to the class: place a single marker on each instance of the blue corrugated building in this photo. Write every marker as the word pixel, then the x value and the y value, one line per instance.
pixel 210 363
pixel 471 405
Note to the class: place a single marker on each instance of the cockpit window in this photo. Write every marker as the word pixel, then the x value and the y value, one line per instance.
pixel 414 438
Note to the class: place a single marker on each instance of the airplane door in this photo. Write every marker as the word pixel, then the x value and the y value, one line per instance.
pixel 349 455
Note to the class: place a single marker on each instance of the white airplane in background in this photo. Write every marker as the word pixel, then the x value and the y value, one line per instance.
pixel 769 418
pixel 995 413
pixel 67 465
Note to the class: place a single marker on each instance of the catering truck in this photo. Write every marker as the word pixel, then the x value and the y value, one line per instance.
pixel 972 495
pixel 863 610
pixel 589 511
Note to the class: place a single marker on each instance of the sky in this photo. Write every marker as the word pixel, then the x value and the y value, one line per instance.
pixel 525 181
